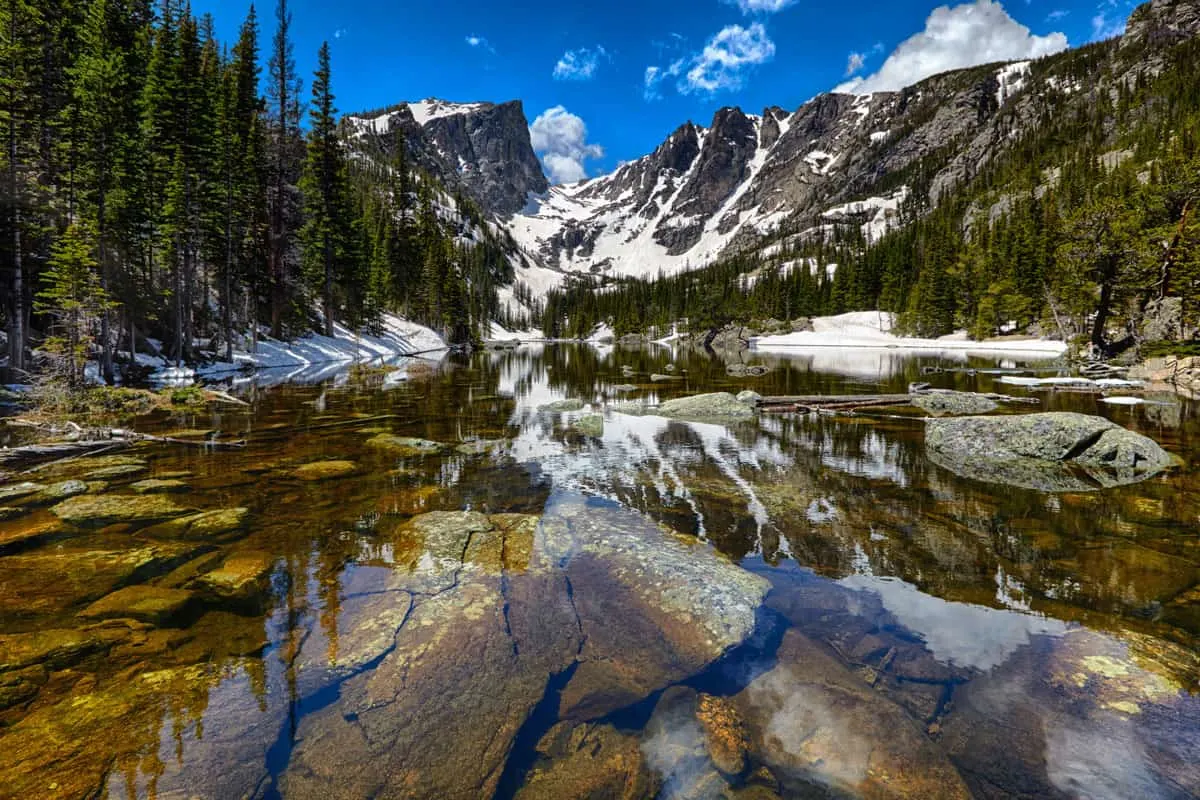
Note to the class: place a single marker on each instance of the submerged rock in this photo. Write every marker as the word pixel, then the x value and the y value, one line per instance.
pixel 100 510
pixel 658 378
pixel 816 724
pixel 590 761
pixel 243 577
pixel 160 486
pixel 154 604
pixel 215 524
pixel 115 471
pixel 654 606
pixel 324 470
pixel 1039 451
pixel 481 447
pixel 954 404
pixel 404 445
pixel 721 405
pixel 15 491
pixel 61 491
pixel 8 512
pixel 54 648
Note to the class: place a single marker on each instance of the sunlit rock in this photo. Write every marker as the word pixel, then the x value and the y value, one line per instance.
pixel 1039 451
pixel 217 524
pixel 951 404
pixel 718 405
pixel 154 604
pixel 242 578
pixel 404 446
pixel 324 470
pixel 562 405
pixel 100 510
pixel 160 486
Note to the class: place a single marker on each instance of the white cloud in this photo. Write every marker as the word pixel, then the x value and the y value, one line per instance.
pixel 725 58
pixel 339 33
pixel 1057 14
pixel 479 41
pixel 761 6
pixel 560 137
pixel 579 65
pixel 963 36
pixel 856 60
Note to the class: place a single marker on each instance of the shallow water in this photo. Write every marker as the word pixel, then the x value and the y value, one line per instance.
pixel 796 606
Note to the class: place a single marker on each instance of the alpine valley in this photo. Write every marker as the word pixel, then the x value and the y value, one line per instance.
pixel 953 202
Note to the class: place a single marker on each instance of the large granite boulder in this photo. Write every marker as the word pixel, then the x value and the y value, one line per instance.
pixel 716 405
pixel 1053 452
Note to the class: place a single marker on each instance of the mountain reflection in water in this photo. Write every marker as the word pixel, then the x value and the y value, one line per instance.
pixel 792 606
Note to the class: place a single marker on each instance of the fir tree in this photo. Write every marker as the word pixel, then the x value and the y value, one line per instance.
pixel 75 301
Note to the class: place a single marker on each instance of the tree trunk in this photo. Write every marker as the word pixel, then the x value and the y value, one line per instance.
pixel 1102 313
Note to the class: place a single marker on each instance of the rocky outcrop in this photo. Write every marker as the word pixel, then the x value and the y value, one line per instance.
pixel 717 405
pixel 492 611
pixel 952 404
pixel 1049 452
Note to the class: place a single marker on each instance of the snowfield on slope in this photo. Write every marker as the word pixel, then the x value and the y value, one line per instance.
pixel 872 329
pixel 398 338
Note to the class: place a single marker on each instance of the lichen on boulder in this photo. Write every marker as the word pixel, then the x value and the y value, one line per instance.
pixel 1054 452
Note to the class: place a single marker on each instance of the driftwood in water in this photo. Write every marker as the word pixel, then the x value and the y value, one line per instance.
pixel 850 402
pixel 75 441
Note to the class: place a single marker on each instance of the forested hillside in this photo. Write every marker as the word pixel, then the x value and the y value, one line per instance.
pixel 162 194
pixel 1083 226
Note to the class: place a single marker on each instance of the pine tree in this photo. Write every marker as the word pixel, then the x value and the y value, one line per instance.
pixel 330 243
pixel 284 92
pixel 20 24
pixel 72 296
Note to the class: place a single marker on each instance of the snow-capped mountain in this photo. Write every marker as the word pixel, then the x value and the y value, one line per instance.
pixel 756 182
pixel 481 148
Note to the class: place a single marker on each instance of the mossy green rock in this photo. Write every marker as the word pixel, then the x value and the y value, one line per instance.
pixel 105 509
pixel 117 471
pixel 61 491
pixel 214 524
pixel 70 469
pixel 1054 452
pixel 953 404
pixel 324 470
pixel 716 405
pixel 160 486
pixel 404 445
pixel 562 405
pixel 481 447
pixel 590 425
pixel 153 604
pixel 16 491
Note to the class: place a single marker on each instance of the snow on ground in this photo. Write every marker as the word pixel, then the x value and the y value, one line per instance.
pixel 885 213
pixel 498 333
pixel 872 329
pixel 399 338
pixel 1011 79
pixel 1102 383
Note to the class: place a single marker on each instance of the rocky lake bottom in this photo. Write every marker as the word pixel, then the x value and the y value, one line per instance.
pixel 467 585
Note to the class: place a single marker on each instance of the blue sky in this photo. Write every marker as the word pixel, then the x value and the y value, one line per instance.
pixel 610 80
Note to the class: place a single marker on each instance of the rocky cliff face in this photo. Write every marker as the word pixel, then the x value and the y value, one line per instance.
pixel 839 161
pixel 482 149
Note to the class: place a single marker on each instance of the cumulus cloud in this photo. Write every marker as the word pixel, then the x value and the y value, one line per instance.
pixel 579 65
pixel 761 6
pixel 963 36
pixel 726 57
pixel 560 138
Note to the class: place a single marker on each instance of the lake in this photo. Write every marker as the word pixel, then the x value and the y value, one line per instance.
pixel 438 588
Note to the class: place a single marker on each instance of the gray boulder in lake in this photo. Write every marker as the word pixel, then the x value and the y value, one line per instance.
pixel 1054 452
pixel 717 405
pixel 951 404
